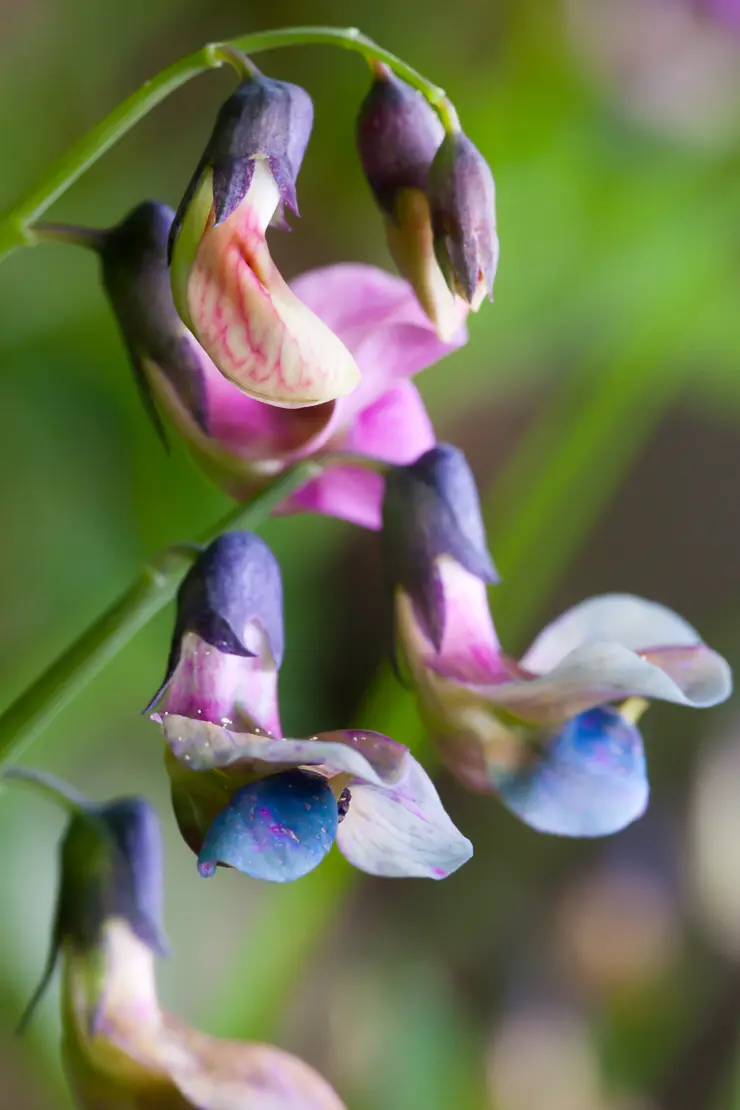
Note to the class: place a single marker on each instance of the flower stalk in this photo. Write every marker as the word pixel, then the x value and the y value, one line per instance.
pixel 15 225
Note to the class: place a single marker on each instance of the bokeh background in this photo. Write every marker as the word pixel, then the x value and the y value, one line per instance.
pixel 599 403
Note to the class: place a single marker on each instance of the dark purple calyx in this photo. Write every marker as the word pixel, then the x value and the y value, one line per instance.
pixel 136 278
pixel 234 583
pixel 262 118
pixel 462 202
pixel 398 134
pixel 111 867
pixel 431 508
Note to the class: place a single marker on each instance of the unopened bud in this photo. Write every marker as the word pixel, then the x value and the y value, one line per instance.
pixel 398 135
pixel 111 871
pixel 462 200
pixel 168 363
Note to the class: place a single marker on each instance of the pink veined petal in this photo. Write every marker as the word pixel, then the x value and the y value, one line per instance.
pixel 378 318
pixel 253 326
pixel 402 831
pixel 395 428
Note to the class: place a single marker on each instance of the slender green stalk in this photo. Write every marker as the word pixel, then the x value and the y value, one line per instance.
pixel 38 705
pixel 15 229
pixel 350 38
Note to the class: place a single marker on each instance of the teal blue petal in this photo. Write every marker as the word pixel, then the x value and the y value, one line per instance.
pixel 278 828
pixel 587 779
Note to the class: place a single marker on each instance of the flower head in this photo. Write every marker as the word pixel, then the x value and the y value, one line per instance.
pixel 226 287
pixel 240 440
pixel 398 135
pixel 268 806
pixel 542 732
pixel 462 202
pixel 120 1048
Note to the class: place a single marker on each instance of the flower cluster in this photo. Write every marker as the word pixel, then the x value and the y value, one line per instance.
pixel 257 374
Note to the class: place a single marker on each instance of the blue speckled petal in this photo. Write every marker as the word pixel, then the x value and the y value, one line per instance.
pixel 279 828
pixel 587 779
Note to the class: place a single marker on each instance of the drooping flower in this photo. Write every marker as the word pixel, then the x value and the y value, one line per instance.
pixel 227 288
pixel 398 135
pixel 437 195
pixel 240 441
pixel 120 1049
pixel 543 732
pixel 245 796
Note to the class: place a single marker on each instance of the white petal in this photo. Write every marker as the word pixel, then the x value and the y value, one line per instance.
pixel 625 619
pixel 596 673
pixel 202 746
pixel 402 831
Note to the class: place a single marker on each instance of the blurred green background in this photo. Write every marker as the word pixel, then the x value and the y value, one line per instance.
pixel 599 402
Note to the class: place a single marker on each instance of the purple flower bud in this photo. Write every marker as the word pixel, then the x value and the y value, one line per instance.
pixel 136 279
pixel 111 870
pixel 262 120
pixel 112 867
pixel 462 201
pixel 231 600
pixel 431 509
pixel 119 1047
pixel 398 134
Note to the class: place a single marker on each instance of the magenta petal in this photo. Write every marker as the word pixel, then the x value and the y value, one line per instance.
pixel 346 492
pixel 379 320
pixel 377 316
pixel 396 429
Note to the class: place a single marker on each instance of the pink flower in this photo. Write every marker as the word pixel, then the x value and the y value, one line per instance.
pixel 244 795
pixel 541 732
pixel 227 288
pixel 240 441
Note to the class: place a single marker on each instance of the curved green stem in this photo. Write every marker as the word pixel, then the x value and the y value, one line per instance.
pixel 87 150
pixel 15 230
pixel 350 38
pixel 38 705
